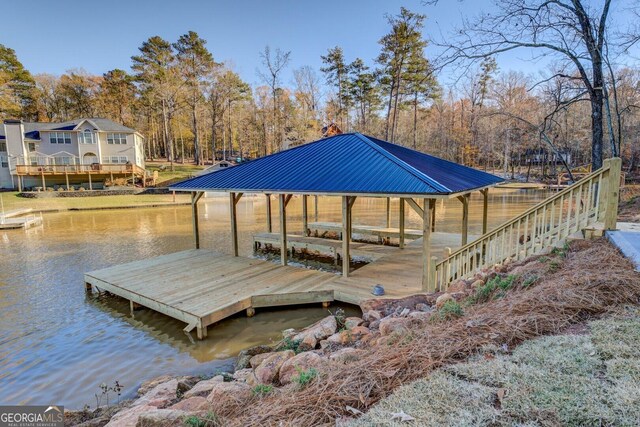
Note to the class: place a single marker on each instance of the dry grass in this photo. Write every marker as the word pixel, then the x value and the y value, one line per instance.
pixel 629 209
pixel 593 278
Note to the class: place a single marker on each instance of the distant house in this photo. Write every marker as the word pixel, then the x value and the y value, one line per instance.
pixel 87 150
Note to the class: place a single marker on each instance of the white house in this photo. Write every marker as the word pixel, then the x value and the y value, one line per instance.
pixel 83 151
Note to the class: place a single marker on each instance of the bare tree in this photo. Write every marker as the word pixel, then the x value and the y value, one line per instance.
pixel 274 64
pixel 570 30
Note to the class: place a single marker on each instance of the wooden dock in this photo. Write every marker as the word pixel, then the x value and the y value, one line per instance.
pixel 201 287
pixel 13 219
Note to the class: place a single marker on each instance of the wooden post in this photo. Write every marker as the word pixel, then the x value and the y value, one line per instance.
pixel 269 224
pixel 346 235
pixel 316 207
pixel 66 177
pixel 44 184
pixel 401 223
pixel 388 212
pixel 613 193
pixel 464 199
pixel 233 202
pixel 427 211
pixel 194 214
pixel 90 184
pixel 19 183
pixel 485 209
pixel 283 229
pixel 111 176
pixel 433 218
pixel 305 221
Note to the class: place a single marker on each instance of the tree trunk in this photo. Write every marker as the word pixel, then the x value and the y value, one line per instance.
pixel 196 137
pixel 597 132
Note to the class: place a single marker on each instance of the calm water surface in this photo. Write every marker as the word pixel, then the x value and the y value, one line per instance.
pixel 57 344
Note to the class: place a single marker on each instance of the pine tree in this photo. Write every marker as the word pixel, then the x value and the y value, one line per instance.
pixel 17 87
pixel 195 63
pixel 336 71
pixel 403 41
pixel 363 91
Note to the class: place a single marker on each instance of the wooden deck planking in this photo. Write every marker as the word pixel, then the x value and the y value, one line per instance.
pixel 366 229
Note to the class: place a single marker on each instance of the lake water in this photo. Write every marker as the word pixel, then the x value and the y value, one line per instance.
pixel 57 344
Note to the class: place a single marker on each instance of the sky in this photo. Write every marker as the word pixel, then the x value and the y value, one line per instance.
pixel 97 36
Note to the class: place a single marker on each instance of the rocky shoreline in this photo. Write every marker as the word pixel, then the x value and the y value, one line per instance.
pixel 265 369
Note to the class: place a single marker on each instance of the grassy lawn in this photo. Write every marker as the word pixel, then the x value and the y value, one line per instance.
pixel 179 172
pixel 574 380
pixel 12 201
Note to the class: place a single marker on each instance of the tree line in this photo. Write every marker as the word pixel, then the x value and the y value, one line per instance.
pixel 192 108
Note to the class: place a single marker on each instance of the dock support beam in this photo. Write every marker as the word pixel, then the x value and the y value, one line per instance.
pixel 401 223
pixel 347 203
pixel 269 224
pixel 428 271
pixel 305 216
pixel 195 196
pixel 485 209
pixel 315 206
pixel 388 212
pixel 233 202
pixel 283 229
pixel 464 199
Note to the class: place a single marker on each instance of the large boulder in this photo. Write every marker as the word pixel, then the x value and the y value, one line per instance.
pixel 192 404
pixel 258 359
pixel 245 356
pixel 129 417
pixel 204 387
pixel 228 393
pixel 310 336
pixel 160 396
pixel 349 336
pixel 301 362
pixel 390 325
pixel 352 322
pixel 242 374
pixel 149 384
pixel 269 369
pixel 162 418
pixel 442 299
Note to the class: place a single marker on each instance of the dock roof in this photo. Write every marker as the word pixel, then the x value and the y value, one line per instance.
pixel 345 164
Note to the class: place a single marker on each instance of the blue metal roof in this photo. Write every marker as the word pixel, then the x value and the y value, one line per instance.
pixel 344 164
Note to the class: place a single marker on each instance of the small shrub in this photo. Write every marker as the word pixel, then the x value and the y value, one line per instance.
pixel 209 420
pixel 262 389
pixel 485 292
pixel 289 344
pixel 529 281
pixel 450 310
pixel 340 318
pixel 305 377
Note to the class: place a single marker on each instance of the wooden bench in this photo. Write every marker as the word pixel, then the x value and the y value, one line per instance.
pixel 371 230
pixel 332 248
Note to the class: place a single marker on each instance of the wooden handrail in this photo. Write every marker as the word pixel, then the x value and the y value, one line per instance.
pixel 79 169
pixel 544 224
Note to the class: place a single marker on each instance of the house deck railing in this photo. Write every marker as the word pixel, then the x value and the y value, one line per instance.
pixel 94 169
pixel 593 199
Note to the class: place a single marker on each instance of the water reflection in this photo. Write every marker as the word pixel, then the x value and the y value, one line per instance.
pixel 57 344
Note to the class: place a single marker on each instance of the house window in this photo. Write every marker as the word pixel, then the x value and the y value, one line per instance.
pixel 106 159
pixel 86 137
pixel 33 160
pixel 63 160
pixel 31 146
pixel 4 162
pixel 3 146
pixel 60 138
pixel 117 138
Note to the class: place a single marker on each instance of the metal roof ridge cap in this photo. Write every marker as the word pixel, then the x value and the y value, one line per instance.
pixel 420 175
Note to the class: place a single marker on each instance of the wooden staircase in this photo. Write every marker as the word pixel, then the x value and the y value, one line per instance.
pixel 590 201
